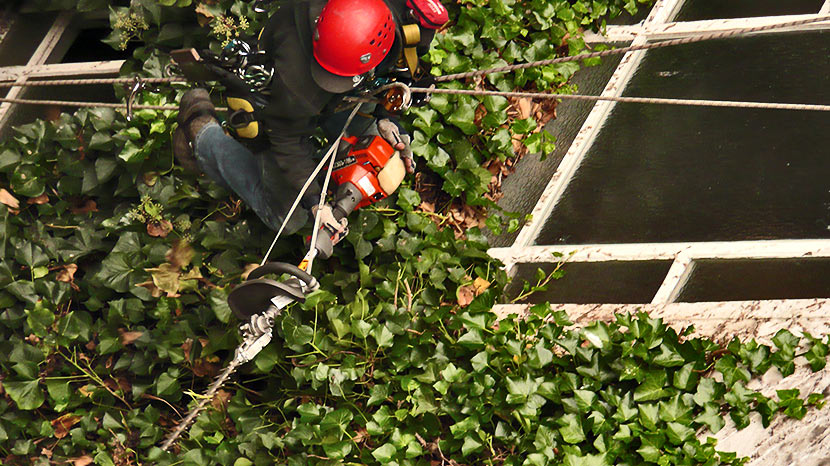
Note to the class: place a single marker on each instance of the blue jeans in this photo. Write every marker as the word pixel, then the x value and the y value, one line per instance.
pixel 256 179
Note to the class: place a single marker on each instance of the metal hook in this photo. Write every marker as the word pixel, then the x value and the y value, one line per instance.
pixel 138 85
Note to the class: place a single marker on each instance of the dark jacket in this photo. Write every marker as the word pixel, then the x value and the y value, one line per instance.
pixel 297 103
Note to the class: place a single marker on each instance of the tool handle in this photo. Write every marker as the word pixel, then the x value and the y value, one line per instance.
pixel 282 267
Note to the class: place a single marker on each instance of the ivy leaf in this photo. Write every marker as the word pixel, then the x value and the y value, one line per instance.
pixel 652 386
pixel 384 453
pixel 26 180
pixel 571 428
pixel 408 199
pixel 296 335
pixel 711 417
pixel 119 271
pixel 463 117
pixel 26 395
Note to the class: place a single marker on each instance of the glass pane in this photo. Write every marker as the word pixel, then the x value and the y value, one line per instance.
pixel 660 173
pixel 695 10
pixel 523 188
pixel 594 282
pixel 749 280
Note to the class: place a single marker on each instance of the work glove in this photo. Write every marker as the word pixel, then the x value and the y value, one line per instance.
pixel 391 132
pixel 331 232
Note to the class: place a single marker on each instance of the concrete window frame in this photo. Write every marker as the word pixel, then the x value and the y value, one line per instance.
pixel 657 26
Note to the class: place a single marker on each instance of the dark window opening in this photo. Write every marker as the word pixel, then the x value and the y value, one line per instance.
pixel 88 47
pixel 618 282
pixel 755 279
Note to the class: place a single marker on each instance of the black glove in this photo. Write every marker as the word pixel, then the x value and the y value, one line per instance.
pixel 391 132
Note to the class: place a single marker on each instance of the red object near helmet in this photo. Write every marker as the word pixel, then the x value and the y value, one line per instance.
pixel 353 36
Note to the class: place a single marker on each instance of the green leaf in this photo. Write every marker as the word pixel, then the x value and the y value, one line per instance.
pixel 711 417
pixel 383 336
pixel 39 319
pixel 26 180
pixel 652 386
pixel 27 395
pixel 408 199
pixel 8 160
pixel 131 153
pixel 571 428
pixel 218 299
pixel 523 126
pixel 296 335
pixel 463 117
pixel 384 453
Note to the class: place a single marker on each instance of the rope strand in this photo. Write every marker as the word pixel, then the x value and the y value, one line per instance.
pixel 92 81
pixel 640 100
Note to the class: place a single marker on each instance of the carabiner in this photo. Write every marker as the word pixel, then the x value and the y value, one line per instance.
pixel 138 85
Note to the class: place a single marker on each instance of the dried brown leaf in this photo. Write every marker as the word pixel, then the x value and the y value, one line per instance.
pixel 159 229
pixel 464 295
pixel 82 461
pixel 88 206
pixel 180 254
pixel 67 274
pixel 166 278
pixel 523 106
pixel 42 199
pixel 63 423
pixel 154 290
pixel 480 285
pixel 8 199
pixel 220 401
pixel 130 337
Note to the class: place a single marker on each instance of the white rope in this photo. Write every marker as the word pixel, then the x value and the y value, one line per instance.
pixel 329 153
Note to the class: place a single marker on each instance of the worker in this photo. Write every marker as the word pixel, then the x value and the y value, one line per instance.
pixel 320 51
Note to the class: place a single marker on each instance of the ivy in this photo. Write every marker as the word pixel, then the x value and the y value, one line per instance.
pixel 116 267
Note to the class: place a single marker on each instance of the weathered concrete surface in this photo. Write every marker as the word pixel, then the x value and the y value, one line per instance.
pixel 786 441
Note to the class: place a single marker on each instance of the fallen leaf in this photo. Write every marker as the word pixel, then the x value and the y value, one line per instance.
pixel 166 277
pixel 202 368
pixel 67 275
pixel 85 391
pixel 130 337
pixel 46 452
pixel 159 229
pixel 523 106
pixel 7 198
pixel 154 290
pixel 465 295
pixel 63 423
pixel 88 206
pixel 186 347
pixel 82 461
pixel 480 285
pixel 248 269
pixel 221 400
pixel 42 199
pixel 180 254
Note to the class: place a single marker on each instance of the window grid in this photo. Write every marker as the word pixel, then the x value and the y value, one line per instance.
pixel 657 26
pixel 37 67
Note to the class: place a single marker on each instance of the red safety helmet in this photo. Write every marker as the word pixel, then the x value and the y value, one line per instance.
pixel 351 38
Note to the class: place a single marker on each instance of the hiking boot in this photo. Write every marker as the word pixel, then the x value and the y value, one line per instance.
pixel 195 112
